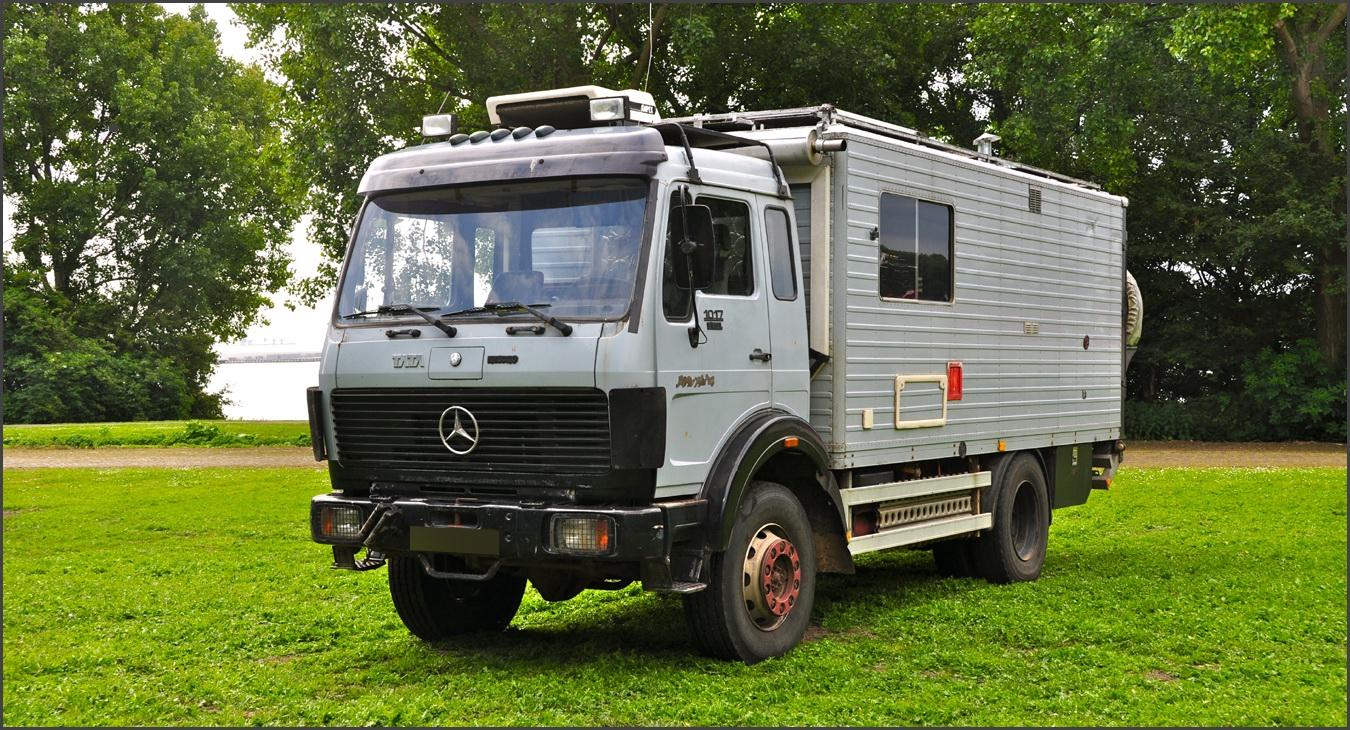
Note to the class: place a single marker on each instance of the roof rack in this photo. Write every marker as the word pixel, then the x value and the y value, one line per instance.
pixel 826 115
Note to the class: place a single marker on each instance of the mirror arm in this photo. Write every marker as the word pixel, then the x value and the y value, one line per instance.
pixel 688 153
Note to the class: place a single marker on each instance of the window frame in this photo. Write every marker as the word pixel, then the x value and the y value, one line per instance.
pixel 941 200
pixel 697 196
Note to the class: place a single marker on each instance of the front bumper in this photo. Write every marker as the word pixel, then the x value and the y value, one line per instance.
pixel 518 534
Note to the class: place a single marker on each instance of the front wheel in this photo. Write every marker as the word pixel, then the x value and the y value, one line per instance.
pixel 437 608
pixel 761 589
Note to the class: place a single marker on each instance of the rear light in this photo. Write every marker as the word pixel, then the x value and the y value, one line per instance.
pixel 581 534
pixel 340 523
pixel 955 373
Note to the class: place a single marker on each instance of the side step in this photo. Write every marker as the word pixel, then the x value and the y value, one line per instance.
pixel 916 510
pixel 921 532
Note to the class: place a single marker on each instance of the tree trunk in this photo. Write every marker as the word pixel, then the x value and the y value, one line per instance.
pixel 1301 47
pixel 1331 303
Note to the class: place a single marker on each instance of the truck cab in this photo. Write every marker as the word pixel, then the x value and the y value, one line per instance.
pixel 574 351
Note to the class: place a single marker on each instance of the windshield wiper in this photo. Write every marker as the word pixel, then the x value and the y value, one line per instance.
pixel 500 308
pixel 432 320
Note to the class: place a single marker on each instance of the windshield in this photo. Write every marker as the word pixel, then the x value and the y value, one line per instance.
pixel 570 244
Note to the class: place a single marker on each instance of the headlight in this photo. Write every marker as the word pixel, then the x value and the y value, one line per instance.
pixel 582 534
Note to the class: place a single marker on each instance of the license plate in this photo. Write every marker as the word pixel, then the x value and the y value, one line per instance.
pixel 457 540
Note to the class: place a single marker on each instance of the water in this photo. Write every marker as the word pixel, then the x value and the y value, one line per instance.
pixel 271 391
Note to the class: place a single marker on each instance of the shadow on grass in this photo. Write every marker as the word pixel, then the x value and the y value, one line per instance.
pixel 650 627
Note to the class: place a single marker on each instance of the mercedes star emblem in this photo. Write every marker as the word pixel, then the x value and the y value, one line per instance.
pixel 463 435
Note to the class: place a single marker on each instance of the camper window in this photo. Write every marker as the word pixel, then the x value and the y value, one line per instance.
pixel 916 249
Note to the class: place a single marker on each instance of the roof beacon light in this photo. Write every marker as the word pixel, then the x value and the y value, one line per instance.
pixel 438 125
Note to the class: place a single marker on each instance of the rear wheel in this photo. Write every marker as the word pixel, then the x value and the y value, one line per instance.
pixel 1014 548
pixel 761 589
pixel 437 608
pixel 953 558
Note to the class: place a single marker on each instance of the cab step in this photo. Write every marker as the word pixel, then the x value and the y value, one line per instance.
pixel 685 587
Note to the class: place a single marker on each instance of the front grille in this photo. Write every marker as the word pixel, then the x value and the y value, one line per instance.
pixel 524 430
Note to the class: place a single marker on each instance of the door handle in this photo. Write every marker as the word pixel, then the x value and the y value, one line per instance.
pixel 761 355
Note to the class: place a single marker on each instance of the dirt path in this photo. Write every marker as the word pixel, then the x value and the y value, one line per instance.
pixel 1150 454
pixel 174 457
pixel 1138 454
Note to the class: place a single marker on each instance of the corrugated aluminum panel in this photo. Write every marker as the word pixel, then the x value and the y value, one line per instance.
pixel 1060 270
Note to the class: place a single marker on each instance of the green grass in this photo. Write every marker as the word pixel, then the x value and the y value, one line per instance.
pixel 1192 597
pixel 159 433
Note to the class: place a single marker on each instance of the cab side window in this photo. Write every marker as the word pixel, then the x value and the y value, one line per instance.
pixel 733 267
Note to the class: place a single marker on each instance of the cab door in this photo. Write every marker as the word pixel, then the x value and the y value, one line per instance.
pixel 713 351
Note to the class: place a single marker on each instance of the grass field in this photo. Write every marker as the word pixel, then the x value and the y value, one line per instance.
pixel 1182 596
pixel 159 433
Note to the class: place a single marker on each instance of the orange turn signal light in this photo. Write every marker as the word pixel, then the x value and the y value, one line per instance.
pixel 791 442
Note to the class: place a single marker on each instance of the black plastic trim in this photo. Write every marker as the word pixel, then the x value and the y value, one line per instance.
pixel 314 399
pixel 637 428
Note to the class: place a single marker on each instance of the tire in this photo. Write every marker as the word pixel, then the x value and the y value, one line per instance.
pixel 953 558
pixel 436 608
pixel 1014 549
pixel 732 621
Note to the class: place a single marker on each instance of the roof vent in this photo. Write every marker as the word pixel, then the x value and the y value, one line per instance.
pixel 984 144
pixel 1033 199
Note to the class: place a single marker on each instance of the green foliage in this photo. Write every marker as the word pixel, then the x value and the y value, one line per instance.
pixel 1179 597
pixel 1297 394
pixel 1286 395
pixel 362 75
pixel 159 433
pixel 1213 120
pixel 152 205
pixel 1237 200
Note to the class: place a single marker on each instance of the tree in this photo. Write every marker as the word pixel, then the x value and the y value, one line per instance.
pixel 1218 122
pixel 1234 211
pixel 361 76
pixel 152 198
pixel 1295 54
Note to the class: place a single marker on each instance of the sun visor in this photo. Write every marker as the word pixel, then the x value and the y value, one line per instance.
pixel 534 154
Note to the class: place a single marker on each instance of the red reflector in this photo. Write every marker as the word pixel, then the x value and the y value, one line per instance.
pixel 954 381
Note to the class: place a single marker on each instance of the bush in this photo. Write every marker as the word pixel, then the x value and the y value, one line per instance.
pixel 1287 395
pixel 198 434
pixel 78 441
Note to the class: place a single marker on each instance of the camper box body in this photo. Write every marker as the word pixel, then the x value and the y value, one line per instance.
pixel 1033 325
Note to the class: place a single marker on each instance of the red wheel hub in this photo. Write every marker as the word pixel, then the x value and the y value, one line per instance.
pixel 773 577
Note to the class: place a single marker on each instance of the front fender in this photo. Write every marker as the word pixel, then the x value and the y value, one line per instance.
pixel 753 444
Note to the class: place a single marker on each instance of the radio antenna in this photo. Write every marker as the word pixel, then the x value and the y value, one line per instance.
pixel 651 47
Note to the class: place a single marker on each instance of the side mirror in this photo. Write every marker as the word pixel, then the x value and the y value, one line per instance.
pixel 694 255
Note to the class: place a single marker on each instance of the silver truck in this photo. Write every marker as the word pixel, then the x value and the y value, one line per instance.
pixel 716 355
